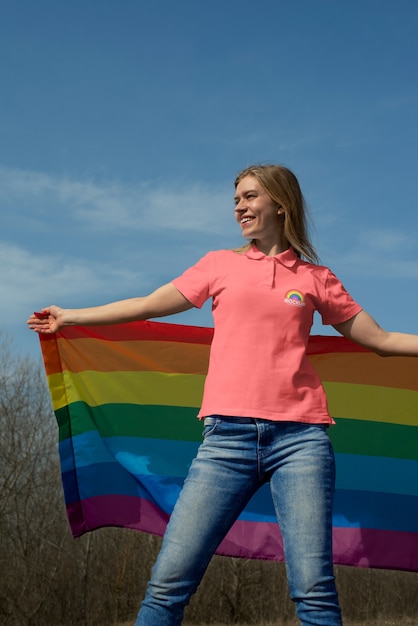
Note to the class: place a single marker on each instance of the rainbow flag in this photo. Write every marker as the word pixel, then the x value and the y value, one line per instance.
pixel 126 399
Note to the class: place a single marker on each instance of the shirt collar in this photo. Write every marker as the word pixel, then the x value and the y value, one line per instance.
pixel 288 257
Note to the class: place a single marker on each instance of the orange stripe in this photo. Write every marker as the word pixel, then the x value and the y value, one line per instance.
pixel 79 355
pixel 82 354
pixel 367 368
pixel 50 354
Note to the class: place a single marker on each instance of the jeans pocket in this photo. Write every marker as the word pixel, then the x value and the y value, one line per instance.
pixel 210 424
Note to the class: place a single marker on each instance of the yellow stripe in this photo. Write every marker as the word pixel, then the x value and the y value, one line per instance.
pixel 362 402
pixel 371 403
pixel 57 391
pixel 98 388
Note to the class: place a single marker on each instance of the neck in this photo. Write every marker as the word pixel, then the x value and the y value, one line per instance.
pixel 271 248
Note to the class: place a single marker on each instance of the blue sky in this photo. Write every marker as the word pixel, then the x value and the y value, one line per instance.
pixel 123 125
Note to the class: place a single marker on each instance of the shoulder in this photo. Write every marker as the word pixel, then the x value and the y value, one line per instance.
pixel 221 256
pixel 211 260
pixel 319 279
pixel 317 271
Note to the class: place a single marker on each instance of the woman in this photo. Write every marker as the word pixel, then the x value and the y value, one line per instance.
pixel 264 409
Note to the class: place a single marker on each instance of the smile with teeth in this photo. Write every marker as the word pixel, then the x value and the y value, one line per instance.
pixel 246 219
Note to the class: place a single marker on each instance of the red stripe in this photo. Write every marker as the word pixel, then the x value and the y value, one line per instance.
pixel 145 330
pixel 136 331
pixel 322 344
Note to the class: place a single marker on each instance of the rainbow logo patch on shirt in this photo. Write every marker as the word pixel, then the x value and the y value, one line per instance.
pixel 294 297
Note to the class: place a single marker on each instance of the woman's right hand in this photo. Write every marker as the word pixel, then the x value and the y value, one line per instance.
pixel 48 321
pixel 165 300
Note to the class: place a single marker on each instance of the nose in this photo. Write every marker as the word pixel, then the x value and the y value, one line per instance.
pixel 239 208
pixel 239 212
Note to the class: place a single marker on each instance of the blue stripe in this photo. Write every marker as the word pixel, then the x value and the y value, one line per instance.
pixel 353 509
pixel 111 479
pixel 383 511
pixel 374 473
pixel 139 455
pixel 172 458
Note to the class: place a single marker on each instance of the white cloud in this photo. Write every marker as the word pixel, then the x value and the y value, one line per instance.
pixel 28 280
pixel 382 253
pixel 367 265
pixel 78 243
pixel 387 241
pixel 186 206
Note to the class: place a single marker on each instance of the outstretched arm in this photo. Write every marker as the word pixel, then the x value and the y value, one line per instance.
pixel 363 329
pixel 166 300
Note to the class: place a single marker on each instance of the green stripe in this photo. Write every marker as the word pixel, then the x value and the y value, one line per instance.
pixel 130 420
pixel 179 423
pixel 374 438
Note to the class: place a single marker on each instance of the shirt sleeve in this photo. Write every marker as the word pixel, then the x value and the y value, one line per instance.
pixel 337 305
pixel 195 282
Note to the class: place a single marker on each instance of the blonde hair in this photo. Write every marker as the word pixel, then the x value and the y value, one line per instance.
pixel 283 188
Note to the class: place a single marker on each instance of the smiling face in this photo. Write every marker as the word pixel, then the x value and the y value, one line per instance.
pixel 258 215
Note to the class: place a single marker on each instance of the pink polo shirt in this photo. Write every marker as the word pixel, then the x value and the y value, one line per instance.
pixel 263 311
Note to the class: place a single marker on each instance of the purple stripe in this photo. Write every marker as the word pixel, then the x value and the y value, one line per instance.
pixel 120 511
pixel 358 547
pixel 383 549
pixel 251 540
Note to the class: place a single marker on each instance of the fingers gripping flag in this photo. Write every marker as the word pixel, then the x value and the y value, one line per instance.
pixel 126 399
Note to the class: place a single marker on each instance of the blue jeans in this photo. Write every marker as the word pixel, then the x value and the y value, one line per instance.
pixel 236 457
